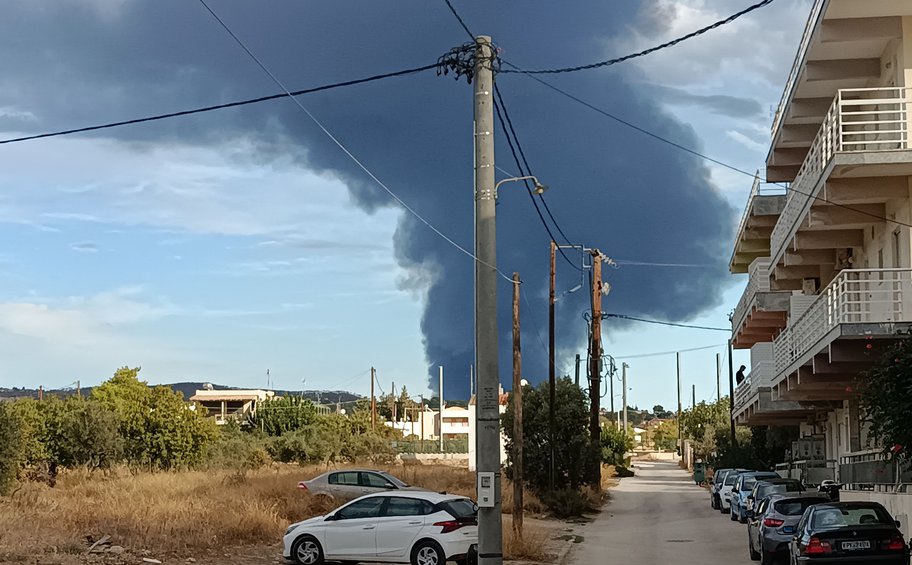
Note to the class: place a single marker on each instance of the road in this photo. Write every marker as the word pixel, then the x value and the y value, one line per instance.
pixel 661 516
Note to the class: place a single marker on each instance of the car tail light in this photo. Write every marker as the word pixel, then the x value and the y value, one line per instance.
pixel 450 526
pixel 302 485
pixel 895 544
pixel 773 522
pixel 816 547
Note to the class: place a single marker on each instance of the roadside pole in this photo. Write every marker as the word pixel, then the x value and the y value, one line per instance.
pixel 731 394
pixel 577 369
pixel 680 437
pixel 373 402
pixel 517 417
pixel 718 377
pixel 441 409
pixel 487 407
pixel 624 394
pixel 551 377
pixel 594 375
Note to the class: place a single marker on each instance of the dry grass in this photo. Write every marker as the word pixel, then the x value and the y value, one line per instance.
pixel 530 546
pixel 192 512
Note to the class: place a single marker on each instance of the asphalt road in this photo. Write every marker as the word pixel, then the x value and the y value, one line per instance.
pixel 661 516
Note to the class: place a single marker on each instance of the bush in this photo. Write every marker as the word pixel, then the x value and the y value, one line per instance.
pixel 566 503
pixel 615 445
pixel 10 447
pixel 622 471
pixel 80 432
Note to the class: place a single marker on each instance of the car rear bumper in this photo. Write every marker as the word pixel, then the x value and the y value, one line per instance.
pixel 858 559
pixel 460 549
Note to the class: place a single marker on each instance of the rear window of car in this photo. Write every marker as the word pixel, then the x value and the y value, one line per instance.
pixel 795 507
pixel 459 508
pixel 791 486
pixel 393 480
pixel 829 518
pixel 751 480
pixel 347 478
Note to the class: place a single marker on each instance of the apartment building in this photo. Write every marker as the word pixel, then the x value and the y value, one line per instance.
pixel 829 259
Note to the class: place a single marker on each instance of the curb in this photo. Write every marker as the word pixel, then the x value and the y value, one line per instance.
pixel 565 552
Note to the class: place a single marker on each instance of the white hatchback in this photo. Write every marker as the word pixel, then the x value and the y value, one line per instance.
pixel 421 528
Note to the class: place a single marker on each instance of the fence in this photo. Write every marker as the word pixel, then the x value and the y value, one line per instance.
pixel 431 446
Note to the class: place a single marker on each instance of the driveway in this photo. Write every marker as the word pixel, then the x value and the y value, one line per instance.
pixel 661 516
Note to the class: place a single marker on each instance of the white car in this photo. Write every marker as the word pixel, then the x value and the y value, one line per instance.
pixel 417 527
pixel 725 492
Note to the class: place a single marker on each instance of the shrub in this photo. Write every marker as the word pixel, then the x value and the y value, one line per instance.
pixel 10 447
pixel 615 445
pixel 566 502
pixel 80 432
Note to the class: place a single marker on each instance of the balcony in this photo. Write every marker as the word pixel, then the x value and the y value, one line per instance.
pixel 762 312
pixel 752 240
pixel 859 122
pixel 754 404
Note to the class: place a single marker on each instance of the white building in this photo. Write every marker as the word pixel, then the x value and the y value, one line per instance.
pixel 502 403
pixel 830 259
pixel 224 405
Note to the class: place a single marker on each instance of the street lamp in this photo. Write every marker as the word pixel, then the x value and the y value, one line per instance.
pixel 539 188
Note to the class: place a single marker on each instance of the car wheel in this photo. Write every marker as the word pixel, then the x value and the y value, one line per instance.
pixel 742 518
pixel 767 558
pixel 714 502
pixel 428 552
pixel 732 514
pixel 306 550
pixel 750 549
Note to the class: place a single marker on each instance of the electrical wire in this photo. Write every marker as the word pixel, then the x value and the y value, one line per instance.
pixel 623 262
pixel 660 353
pixel 461 21
pixel 344 149
pixel 234 104
pixel 665 45
pixel 660 322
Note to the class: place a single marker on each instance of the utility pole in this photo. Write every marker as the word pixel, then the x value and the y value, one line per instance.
pixel 422 423
pixel 517 417
pixel 373 402
pixel 680 438
pixel 577 369
pixel 393 395
pixel 731 394
pixel 693 402
pixel 611 394
pixel 78 389
pixel 624 367
pixel 441 409
pixel 40 393
pixel 595 357
pixel 718 377
pixel 487 407
pixel 551 378
pixel 471 381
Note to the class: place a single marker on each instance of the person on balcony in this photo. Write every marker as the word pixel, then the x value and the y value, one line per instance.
pixel 739 376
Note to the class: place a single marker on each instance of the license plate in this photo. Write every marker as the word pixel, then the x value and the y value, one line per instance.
pixel 855 545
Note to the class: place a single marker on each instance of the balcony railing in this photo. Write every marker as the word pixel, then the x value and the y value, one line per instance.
pixel 871 470
pixel 860 119
pixel 854 296
pixel 758 280
pixel 761 375
pixel 797 64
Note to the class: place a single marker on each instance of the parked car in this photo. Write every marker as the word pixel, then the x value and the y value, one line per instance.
pixel 767 487
pixel 830 488
pixel 775 523
pixel 725 491
pixel 417 527
pixel 743 486
pixel 715 484
pixel 848 532
pixel 352 483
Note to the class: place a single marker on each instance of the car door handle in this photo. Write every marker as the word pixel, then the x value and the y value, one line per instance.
pixel 369 527
pixel 415 523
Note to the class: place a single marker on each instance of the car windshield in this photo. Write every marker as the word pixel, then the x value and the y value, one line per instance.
pixel 730 479
pixel 751 480
pixel 840 517
pixel 394 480
pixel 796 506
pixel 459 507
pixel 790 486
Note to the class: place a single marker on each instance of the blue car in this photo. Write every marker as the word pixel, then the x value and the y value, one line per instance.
pixel 742 489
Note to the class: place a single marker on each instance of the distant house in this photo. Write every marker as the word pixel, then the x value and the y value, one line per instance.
pixel 224 405
pixel 423 425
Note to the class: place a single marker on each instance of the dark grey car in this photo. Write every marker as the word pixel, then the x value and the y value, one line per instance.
pixel 768 487
pixel 775 523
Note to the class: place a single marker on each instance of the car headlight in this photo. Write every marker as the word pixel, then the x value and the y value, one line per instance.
pixel 290 529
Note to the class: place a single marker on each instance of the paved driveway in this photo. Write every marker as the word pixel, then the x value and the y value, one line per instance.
pixel 660 516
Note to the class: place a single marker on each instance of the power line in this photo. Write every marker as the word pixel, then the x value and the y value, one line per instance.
pixel 203 109
pixel 461 21
pixel 341 146
pixel 665 45
pixel 623 262
pixel 648 321
pixel 660 353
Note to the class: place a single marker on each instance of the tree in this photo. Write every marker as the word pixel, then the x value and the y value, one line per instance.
pixel 885 400
pixel 10 447
pixel 658 409
pixel 80 432
pixel 277 416
pixel 572 452
pixel 665 435
pixel 615 445
pixel 700 423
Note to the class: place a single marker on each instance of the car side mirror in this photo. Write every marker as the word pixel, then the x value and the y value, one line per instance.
pixel 391 486
pixel 896 523
pixel 331 518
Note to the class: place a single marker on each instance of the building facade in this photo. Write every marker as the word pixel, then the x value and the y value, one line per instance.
pixel 827 250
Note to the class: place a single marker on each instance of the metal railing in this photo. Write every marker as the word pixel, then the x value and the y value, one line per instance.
pixel 870 470
pixel 761 375
pixel 859 119
pixel 854 296
pixel 797 64
pixel 742 392
pixel 758 280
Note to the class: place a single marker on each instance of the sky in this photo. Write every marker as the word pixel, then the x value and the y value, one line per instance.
pixel 218 246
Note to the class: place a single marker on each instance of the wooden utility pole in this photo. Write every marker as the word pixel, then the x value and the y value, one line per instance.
pixel 718 378
pixel 577 369
pixel 517 417
pixel 551 377
pixel 78 389
pixel 693 400
pixel 680 437
pixel 373 402
pixel 624 367
pixel 595 356
pixel 40 393
pixel 731 395
pixel 422 422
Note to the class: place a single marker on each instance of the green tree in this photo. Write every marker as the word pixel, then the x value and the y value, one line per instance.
pixel 665 435
pixel 33 431
pixel 885 400
pixel 10 447
pixel 283 414
pixel 615 444
pixel 573 456
pixel 80 432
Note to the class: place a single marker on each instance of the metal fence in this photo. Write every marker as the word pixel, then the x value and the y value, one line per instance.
pixel 431 446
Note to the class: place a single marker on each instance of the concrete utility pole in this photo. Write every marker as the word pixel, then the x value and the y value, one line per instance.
pixel 373 402
pixel 731 394
pixel 78 389
pixel 577 369
pixel 487 407
pixel 551 377
pixel 693 401
pixel 594 362
pixel 718 377
pixel 471 381
pixel 517 417
pixel 624 367
pixel 680 437
pixel 617 415
pixel 393 396
pixel 422 423
pixel 441 409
